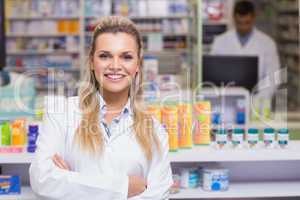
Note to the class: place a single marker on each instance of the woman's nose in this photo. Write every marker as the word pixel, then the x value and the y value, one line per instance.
pixel 115 65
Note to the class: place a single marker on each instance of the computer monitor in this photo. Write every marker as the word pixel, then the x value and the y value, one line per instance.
pixel 2 36
pixel 240 71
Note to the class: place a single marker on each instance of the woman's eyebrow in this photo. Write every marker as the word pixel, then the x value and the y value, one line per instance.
pixel 103 51
pixel 126 52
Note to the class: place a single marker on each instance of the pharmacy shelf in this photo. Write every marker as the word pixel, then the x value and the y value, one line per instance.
pixel 220 22
pixel 26 194
pixel 245 190
pixel 149 17
pixel 277 125
pixel 41 52
pixel 147 33
pixel 43 18
pixel 236 190
pixel 42 69
pixel 210 154
pixel 166 51
pixel 201 154
pixel 30 35
pixel 16 158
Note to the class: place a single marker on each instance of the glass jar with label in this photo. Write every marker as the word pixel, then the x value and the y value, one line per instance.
pixel 221 139
pixel 283 137
pixel 269 137
pixel 237 140
pixel 252 138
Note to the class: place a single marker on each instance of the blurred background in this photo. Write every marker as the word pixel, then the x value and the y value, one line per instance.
pixel 46 42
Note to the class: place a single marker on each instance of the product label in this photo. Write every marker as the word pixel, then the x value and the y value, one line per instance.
pixel 252 138
pixel 221 138
pixel 283 139
pixel 215 181
pixel 269 138
pixel 237 138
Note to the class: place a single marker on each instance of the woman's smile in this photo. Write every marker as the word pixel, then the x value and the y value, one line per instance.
pixel 114 77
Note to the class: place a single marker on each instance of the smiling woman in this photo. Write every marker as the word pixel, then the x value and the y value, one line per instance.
pixel 104 145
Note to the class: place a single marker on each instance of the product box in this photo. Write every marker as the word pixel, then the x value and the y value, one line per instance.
pixel 10 185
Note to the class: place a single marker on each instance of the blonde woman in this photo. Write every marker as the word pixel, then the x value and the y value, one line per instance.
pixel 102 145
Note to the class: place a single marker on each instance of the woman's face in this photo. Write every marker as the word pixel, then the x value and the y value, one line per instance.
pixel 115 61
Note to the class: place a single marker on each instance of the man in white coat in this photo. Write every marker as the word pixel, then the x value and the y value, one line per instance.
pixel 245 39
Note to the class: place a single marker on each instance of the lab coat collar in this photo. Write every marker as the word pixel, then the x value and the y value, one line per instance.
pixel 126 110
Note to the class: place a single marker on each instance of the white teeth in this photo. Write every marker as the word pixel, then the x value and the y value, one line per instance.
pixel 114 76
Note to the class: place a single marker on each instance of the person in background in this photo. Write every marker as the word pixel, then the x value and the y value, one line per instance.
pixel 246 39
pixel 103 144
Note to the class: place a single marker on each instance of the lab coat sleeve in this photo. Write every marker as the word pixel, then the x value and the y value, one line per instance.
pixel 159 177
pixel 50 182
pixel 216 46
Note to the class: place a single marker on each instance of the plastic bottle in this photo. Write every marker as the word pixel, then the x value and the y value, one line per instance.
pixel 5 134
pixel 269 137
pixel 169 119
pixel 237 138
pixel 33 132
pixel 252 138
pixel 202 120
pixel 283 138
pixel 18 133
pixel 155 111
pixel 221 139
pixel 185 125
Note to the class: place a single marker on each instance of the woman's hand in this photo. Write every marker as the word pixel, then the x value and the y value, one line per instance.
pixel 59 162
pixel 136 185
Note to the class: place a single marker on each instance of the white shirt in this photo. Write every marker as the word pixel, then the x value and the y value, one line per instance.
pixel 260 45
pixel 104 177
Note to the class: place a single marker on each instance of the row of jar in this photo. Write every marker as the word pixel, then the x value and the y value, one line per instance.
pixel 251 138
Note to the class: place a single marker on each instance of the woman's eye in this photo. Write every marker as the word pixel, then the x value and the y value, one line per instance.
pixel 127 57
pixel 103 56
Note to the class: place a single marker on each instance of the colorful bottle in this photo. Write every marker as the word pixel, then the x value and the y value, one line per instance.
pixel 33 132
pixel 237 138
pixel 155 111
pixel 5 134
pixel 185 125
pixel 169 119
pixel 252 138
pixel 283 138
pixel 202 122
pixel 221 139
pixel 18 133
pixel 269 137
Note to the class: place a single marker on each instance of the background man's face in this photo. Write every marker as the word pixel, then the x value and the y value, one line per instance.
pixel 244 23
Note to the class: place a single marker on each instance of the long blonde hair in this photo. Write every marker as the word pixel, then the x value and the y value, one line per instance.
pixel 88 134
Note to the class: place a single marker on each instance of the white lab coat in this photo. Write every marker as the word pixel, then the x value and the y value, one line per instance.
pixel 259 45
pixel 105 177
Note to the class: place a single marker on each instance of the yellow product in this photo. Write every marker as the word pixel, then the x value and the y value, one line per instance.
pixel 73 26
pixel 169 120
pixel 62 26
pixel 154 110
pixel 185 125
pixel 202 120
pixel 18 133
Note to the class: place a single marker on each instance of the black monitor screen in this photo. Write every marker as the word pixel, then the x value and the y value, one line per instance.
pixel 2 35
pixel 240 71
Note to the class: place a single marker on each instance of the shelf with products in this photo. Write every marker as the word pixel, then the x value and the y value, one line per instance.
pixel 287 30
pixel 236 190
pixel 202 153
pixel 41 18
pixel 32 9
pixel 42 52
pixel 26 194
pixel 36 35
pixel 245 190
